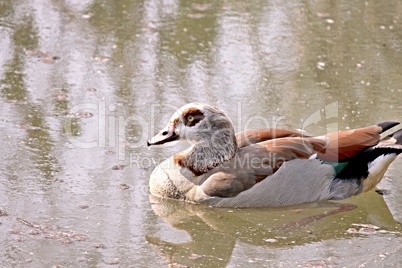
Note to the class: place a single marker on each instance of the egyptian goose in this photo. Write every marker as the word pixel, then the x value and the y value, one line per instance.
pixel 267 167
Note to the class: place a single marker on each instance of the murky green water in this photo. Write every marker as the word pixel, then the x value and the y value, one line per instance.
pixel 84 84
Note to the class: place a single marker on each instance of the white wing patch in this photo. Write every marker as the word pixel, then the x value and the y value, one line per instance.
pixel 377 169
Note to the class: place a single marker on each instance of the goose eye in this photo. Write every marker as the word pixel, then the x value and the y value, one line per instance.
pixel 193 118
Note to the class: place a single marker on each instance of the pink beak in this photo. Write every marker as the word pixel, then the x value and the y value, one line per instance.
pixel 165 135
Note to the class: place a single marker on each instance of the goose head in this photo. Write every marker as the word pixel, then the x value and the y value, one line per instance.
pixel 196 123
pixel 207 128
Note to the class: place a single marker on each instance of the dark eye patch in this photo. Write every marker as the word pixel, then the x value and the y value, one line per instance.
pixel 192 117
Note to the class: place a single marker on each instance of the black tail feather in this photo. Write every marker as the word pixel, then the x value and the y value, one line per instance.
pixel 358 164
pixel 387 125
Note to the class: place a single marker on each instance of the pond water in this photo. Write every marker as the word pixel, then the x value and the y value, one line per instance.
pixel 85 83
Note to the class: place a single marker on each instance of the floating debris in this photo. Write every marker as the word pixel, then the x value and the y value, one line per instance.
pixel 83 206
pixel 3 213
pixel 123 186
pixel 113 261
pixel 364 225
pixel 16 231
pixel 118 167
pixel 102 58
pixel 195 15
pixel 34 232
pixel 102 246
pixel 27 223
pixel 323 15
pixel 297 210
pixel 271 240
pixel 91 89
pixel 321 65
pixel 368 229
pixel 382 192
pixel 66 236
pixel 195 256
pixel 48 232
pixel 29 127
pixel 43 56
pixel 178 265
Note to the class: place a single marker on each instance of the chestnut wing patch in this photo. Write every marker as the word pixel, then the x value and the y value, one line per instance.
pixel 249 137
pixel 255 163
pixel 345 144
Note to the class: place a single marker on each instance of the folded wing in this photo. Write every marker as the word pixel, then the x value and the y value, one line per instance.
pixel 255 162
